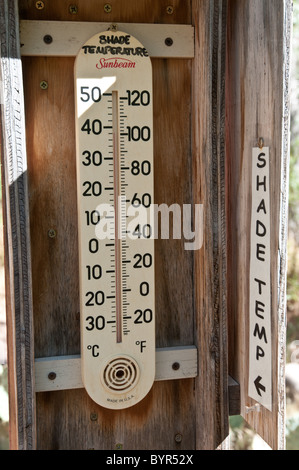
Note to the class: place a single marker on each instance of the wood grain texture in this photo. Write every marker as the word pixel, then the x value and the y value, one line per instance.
pixel 189 167
pixel 190 287
pixel 257 105
pixel 52 192
pixel 75 422
pixel 132 11
pixel 16 234
pixel 51 146
pixel 173 184
pixel 53 201
pixel 208 188
pixel 56 293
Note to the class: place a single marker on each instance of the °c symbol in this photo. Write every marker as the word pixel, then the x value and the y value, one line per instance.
pixel 94 350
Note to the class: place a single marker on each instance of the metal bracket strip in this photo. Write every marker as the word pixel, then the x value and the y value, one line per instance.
pixel 65 38
pixel 64 372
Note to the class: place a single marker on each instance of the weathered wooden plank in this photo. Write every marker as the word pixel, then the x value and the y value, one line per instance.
pixel 173 185
pixel 139 428
pixel 56 290
pixel 257 106
pixel 209 188
pixel 68 37
pixel 93 10
pixel 64 373
pixel 17 235
pixel 54 159
pixel 51 145
pixel 171 364
pixel 53 208
pixel 190 287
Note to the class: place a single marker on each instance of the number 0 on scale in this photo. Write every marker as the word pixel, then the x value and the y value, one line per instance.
pixel 114 134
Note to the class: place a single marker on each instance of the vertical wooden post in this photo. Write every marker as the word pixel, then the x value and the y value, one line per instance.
pixel 17 239
pixel 257 85
pixel 209 188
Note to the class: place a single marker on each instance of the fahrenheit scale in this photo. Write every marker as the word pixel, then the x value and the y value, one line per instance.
pixel 114 134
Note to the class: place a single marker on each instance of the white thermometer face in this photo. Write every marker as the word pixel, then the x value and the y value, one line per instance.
pixel 114 132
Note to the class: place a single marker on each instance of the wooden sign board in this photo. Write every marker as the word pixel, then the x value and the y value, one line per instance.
pixel 258 99
pixel 211 104
pixel 260 329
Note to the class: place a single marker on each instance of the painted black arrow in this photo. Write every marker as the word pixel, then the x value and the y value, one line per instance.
pixel 259 387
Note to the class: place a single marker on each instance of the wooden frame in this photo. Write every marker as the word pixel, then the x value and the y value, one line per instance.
pixel 218 314
pixel 17 238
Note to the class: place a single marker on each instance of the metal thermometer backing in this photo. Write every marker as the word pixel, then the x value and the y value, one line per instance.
pixel 114 133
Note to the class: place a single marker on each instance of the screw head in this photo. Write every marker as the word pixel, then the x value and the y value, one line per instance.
pixel 119 446
pixel 52 376
pixel 107 8
pixel 73 9
pixel 52 233
pixel 178 438
pixel 93 416
pixel 169 42
pixel 48 39
pixel 261 143
pixel 176 366
pixel 40 5
pixel 169 9
pixel 44 85
pixel 113 27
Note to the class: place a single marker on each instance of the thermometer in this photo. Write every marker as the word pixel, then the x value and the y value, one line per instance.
pixel 114 147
